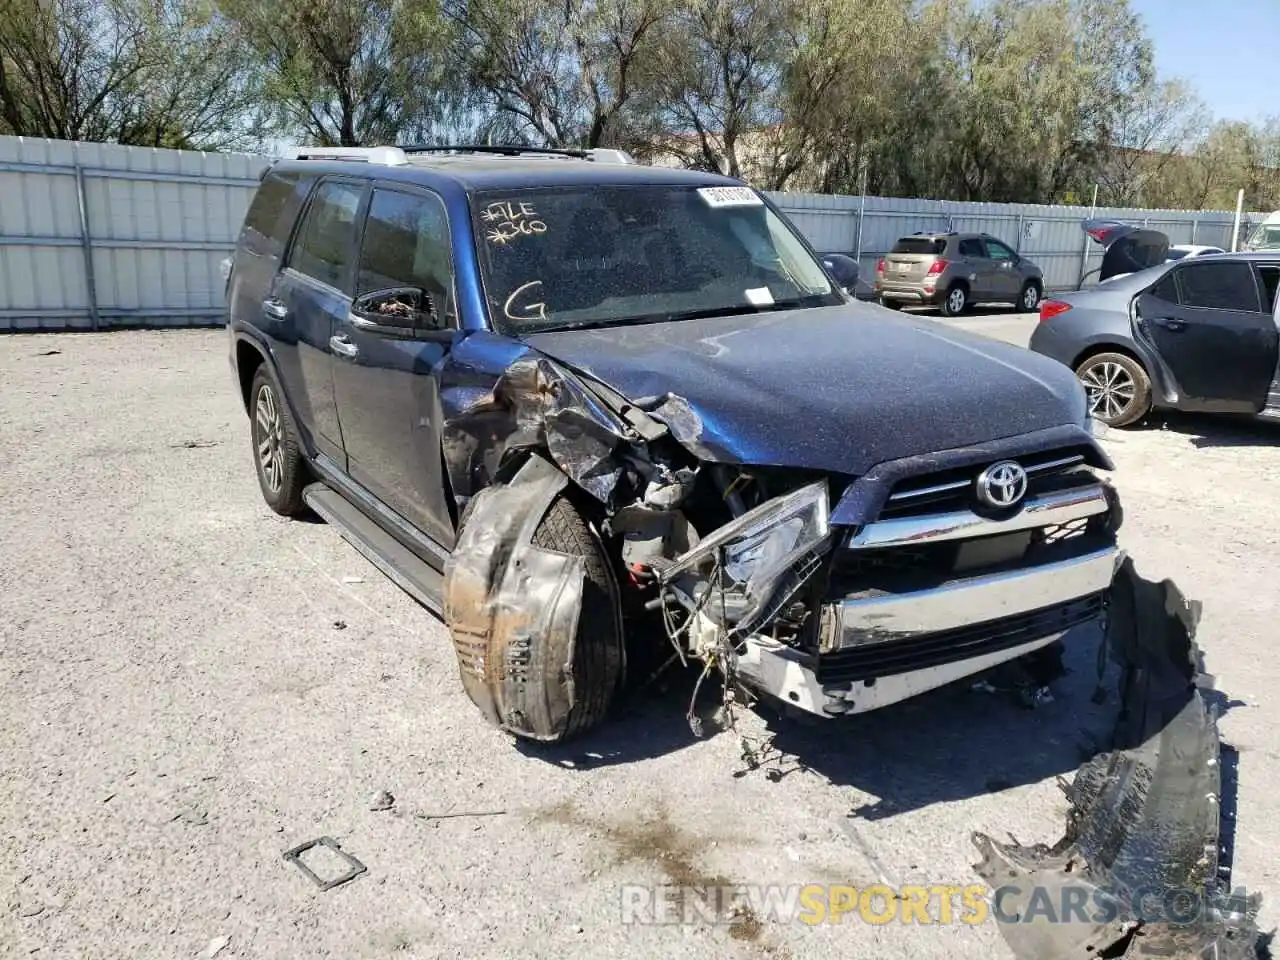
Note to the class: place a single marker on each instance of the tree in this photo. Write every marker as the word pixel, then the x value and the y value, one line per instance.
pixel 720 73
pixel 347 72
pixel 1153 131
pixel 554 73
pixel 152 72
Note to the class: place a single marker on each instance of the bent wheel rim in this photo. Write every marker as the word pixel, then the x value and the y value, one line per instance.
pixel 267 437
pixel 1111 389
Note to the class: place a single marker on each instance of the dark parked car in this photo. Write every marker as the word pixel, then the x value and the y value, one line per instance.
pixel 1199 333
pixel 577 407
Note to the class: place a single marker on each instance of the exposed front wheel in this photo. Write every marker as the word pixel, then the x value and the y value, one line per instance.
pixel 955 301
pixel 1118 388
pixel 1029 299
pixel 277 454
pixel 578 680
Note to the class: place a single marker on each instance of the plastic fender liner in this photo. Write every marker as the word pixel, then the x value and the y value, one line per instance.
pixel 504 597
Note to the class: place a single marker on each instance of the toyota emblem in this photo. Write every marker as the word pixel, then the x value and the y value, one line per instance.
pixel 1002 485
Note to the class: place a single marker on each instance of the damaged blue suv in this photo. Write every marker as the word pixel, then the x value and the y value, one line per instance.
pixel 576 406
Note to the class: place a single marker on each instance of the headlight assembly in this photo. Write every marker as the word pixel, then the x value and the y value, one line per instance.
pixel 743 571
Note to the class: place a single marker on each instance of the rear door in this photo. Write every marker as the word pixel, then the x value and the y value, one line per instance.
pixel 1206 321
pixel 976 267
pixel 310 297
pixel 388 389
pixel 1005 280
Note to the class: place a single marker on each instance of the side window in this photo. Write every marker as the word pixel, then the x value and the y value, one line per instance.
pixel 1269 274
pixel 322 248
pixel 972 248
pixel 998 251
pixel 270 214
pixel 1166 289
pixel 406 244
pixel 1218 286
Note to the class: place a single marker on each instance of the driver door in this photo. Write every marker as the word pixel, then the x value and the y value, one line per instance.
pixel 1207 323
pixel 387 389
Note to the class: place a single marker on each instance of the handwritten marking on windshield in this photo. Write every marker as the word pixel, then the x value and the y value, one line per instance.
pixel 532 311
pixel 510 221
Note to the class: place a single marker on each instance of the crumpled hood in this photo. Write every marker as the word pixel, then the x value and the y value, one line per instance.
pixel 838 388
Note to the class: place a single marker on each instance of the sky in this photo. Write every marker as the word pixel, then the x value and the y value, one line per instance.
pixel 1227 49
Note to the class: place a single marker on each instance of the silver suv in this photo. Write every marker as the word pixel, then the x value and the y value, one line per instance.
pixel 955 270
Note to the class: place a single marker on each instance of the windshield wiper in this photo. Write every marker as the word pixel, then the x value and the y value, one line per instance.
pixel 705 313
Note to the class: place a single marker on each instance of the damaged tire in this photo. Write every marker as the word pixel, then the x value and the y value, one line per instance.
pixel 588 688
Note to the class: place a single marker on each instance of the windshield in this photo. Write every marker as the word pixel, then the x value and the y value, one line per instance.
pixel 595 255
pixel 1266 237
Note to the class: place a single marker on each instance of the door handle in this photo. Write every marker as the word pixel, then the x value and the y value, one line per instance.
pixel 343 347
pixel 274 309
pixel 1169 323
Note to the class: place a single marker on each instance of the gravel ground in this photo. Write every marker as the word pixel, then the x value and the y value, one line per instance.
pixel 192 686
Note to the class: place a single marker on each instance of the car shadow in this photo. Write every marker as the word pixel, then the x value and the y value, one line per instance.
pixel 1216 430
pixel 948 744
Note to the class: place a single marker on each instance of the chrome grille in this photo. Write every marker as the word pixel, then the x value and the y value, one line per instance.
pixel 949 490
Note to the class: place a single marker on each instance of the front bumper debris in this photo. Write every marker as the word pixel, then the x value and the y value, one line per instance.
pixel 1141 857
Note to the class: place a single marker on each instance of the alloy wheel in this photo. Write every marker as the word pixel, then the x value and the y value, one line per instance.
pixel 1030 297
pixel 1110 388
pixel 955 300
pixel 268 438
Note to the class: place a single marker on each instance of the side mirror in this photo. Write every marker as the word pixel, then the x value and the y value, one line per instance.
pixel 402 313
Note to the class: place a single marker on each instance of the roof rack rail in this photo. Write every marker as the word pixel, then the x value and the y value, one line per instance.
pixel 387 156
pixel 600 155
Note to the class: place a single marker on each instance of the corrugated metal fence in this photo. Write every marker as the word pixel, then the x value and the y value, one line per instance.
pixel 866 228
pixel 96 236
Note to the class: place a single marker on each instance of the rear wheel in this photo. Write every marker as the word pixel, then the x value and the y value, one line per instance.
pixel 277 453
pixel 584 683
pixel 956 300
pixel 1118 388
pixel 1029 298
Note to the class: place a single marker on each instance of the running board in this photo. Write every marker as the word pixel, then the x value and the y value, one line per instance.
pixel 401 565
pixel 1272 410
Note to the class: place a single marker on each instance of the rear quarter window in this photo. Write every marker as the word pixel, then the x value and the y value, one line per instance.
pixel 926 245
pixel 271 213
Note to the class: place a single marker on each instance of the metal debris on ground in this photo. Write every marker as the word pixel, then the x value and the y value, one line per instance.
pixel 355 867
pixel 1143 848
pixel 460 813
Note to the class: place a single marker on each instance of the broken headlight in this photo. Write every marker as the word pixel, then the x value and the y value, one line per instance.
pixel 742 573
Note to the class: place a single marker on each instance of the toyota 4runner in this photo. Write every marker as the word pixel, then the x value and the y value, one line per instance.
pixel 575 405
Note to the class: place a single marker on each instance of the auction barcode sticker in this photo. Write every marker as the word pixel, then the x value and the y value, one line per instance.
pixel 730 197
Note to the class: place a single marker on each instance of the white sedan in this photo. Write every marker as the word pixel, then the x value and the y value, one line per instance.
pixel 1180 250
